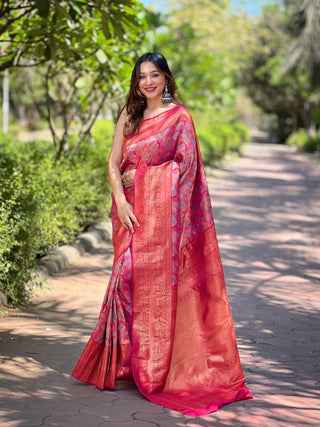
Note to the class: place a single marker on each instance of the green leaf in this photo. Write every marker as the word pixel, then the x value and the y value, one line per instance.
pixel 39 51
pixel 61 11
pixel 47 52
pixel 43 7
pixel 101 56
pixel 81 83
pixel 54 18
pixel 71 24
pixel 105 24
pixel 129 10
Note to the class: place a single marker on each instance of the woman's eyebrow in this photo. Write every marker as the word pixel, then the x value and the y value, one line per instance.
pixel 153 71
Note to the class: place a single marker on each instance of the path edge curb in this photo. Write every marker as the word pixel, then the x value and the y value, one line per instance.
pixel 67 254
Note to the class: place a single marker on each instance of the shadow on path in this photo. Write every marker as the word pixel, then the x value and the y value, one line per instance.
pixel 267 210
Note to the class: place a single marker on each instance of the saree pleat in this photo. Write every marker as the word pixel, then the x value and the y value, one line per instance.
pixel 107 355
pixel 166 309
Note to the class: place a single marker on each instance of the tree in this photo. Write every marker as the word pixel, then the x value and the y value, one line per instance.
pixel 35 31
pixel 304 26
pixel 70 99
pixel 274 87
pixel 78 96
pixel 203 42
pixel 85 56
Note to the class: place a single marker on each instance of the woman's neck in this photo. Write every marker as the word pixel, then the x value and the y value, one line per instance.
pixel 154 105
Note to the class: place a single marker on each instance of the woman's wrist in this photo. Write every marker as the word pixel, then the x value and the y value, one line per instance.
pixel 120 199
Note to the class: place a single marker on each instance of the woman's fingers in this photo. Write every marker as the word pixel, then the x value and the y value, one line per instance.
pixel 129 223
pixel 134 219
pixel 128 218
pixel 128 178
pixel 124 223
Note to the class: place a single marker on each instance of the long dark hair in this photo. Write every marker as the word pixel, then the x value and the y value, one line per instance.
pixel 136 102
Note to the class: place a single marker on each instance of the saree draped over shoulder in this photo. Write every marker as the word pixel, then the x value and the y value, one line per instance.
pixel 165 321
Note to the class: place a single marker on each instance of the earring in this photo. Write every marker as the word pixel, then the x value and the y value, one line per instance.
pixel 166 97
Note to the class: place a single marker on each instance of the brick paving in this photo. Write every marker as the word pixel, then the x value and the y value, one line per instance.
pixel 267 210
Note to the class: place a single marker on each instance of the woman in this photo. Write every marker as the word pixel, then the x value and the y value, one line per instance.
pixel 165 321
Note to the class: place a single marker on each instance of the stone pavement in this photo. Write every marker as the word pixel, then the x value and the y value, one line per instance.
pixel 267 210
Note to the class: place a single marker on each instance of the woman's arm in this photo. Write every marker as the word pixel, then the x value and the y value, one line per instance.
pixel 125 211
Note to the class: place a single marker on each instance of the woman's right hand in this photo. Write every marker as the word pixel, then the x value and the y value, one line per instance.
pixel 126 216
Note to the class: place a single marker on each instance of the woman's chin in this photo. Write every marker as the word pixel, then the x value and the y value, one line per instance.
pixel 152 95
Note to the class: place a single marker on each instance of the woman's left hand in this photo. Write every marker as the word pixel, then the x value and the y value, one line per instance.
pixel 127 178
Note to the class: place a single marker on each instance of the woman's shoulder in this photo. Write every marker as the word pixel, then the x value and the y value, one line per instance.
pixel 123 116
pixel 183 113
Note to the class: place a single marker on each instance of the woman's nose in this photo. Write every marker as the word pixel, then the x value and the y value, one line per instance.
pixel 149 79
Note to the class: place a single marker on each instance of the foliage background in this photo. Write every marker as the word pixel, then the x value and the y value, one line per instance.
pixel 45 203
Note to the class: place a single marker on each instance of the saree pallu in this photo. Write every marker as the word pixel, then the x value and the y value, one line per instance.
pixel 165 321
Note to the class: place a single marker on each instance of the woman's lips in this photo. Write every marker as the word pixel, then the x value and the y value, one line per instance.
pixel 150 89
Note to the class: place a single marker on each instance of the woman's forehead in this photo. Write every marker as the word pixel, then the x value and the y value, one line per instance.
pixel 148 67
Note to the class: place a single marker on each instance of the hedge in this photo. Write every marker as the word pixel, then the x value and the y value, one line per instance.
pixel 217 140
pixel 303 141
pixel 45 203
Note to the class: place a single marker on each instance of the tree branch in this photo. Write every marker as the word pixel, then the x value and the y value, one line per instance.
pixel 90 124
pixel 7 64
pixel 17 18
pixel 51 125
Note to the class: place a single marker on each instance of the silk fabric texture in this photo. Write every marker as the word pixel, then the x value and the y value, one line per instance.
pixel 165 321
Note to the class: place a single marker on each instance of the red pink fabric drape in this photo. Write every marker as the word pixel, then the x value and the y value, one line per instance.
pixel 165 320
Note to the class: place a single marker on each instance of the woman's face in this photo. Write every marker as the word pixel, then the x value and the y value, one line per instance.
pixel 151 80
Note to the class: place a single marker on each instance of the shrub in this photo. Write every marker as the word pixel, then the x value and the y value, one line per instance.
pixel 243 131
pixel 303 141
pixel 217 139
pixel 212 145
pixel 232 139
pixel 102 134
pixel 298 138
pixel 312 145
pixel 19 232
pixel 44 202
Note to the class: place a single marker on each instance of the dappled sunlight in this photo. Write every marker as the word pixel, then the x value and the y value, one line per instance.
pixel 267 219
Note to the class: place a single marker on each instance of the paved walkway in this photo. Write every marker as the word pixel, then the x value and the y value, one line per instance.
pixel 267 210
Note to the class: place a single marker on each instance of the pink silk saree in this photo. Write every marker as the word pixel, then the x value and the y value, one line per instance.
pixel 165 321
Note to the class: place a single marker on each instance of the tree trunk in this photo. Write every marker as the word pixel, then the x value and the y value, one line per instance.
pixel 283 128
pixel 294 121
pixel 309 119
